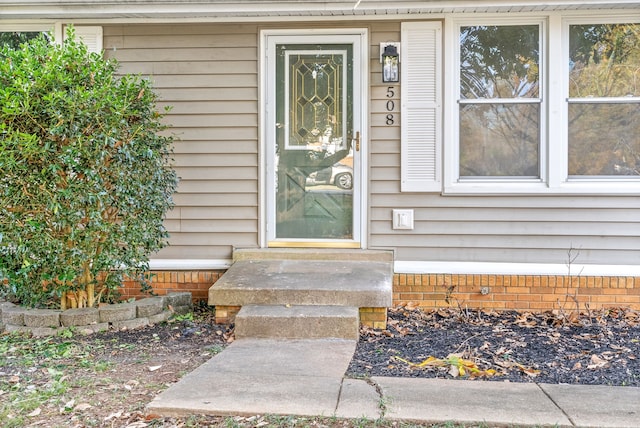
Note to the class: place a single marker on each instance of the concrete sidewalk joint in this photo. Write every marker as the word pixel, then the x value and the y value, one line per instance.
pixel 305 377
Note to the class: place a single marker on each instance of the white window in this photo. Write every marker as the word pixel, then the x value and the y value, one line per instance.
pixel 499 102
pixel 603 101
pixel 17 34
pixel 542 105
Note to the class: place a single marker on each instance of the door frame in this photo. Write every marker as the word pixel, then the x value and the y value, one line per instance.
pixel 359 38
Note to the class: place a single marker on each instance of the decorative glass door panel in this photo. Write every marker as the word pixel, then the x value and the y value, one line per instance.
pixel 314 149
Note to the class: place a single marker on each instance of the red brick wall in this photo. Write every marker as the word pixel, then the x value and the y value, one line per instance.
pixel 163 282
pixel 519 292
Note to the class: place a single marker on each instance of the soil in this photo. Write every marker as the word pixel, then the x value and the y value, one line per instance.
pixel 119 372
pixel 601 348
pixel 115 373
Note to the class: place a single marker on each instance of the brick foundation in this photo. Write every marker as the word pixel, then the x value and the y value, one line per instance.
pixel 226 314
pixel 535 293
pixel 516 292
pixel 374 317
pixel 164 282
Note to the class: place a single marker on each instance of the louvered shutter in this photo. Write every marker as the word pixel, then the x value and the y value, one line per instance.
pixel 90 36
pixel 421 93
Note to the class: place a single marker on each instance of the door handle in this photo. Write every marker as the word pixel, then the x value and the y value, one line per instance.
pixel 357 141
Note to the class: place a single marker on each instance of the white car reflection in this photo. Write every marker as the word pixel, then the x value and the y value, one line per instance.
pixel 337 175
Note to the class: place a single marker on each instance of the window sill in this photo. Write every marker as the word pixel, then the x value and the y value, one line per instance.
pixel 581 187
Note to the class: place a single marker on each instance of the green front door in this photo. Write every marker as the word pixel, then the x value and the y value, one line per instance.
pixel 315 143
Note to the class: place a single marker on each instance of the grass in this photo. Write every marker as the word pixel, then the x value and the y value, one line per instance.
pixel 37 373
pixel 46 380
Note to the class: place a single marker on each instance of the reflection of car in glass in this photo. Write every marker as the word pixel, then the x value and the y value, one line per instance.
pixel 337 175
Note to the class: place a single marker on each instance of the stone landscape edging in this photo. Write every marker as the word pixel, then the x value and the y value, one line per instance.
pixel 128 315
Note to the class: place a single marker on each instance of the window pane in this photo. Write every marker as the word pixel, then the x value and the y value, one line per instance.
pixel 499 140
pixel 499 61
pixel 604 60
pixel 14 39
pixel 603 139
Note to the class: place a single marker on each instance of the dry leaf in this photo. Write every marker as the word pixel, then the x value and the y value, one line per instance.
pixel 154 368
pixel 138 424
pixel 528 370
pixel 69 405
pixel 35 413
pixel 114 415
pixel 456 371
pixel 81 407
pixel 597 362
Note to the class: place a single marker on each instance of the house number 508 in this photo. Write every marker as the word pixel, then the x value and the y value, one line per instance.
pixel 391 105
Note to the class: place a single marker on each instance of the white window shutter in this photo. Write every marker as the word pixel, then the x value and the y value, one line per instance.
pixel 421 111
pixel 90 36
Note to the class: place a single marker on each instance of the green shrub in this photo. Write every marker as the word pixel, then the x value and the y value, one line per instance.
pixel 85 175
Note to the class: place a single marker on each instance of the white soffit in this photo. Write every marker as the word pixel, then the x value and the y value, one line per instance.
pixel 269 9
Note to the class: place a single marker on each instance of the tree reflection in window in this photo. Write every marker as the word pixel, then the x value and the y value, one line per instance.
pixel 604 103
pixel 499 101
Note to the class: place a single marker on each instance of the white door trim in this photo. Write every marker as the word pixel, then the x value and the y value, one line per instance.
pixel 359 36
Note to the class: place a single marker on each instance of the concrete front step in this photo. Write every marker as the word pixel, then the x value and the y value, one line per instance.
pixel 360 284
pixel 297 322
pixel 312 254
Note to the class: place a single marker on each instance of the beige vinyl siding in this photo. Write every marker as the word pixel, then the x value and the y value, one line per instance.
pixel 531 229
pixel 207 73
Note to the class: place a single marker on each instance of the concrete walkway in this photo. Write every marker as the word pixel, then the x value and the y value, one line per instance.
pixel 306 378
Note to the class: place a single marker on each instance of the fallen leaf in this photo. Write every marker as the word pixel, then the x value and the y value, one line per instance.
pixel 456 371
pixel 138 424
pixel 528 370
pixel 577 366
pixel 81 407
pixel 443 313
pixel 35 413
pixel 597 363
pixel 114 415
pixel 154 368
pixel 525 321
pixel 68 406
pixel 411 306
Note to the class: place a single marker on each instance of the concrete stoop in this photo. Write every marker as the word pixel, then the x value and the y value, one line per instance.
pixel 297 322
pixel 296 333
pixel 304 293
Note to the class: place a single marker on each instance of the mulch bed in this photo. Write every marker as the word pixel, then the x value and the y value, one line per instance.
pixel 598 348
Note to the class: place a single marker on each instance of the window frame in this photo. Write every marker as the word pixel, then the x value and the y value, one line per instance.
pixel 28 28
pixel 575 180
pixel 554 92
pixel 511 101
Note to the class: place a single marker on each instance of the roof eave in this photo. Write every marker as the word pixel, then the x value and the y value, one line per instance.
pixel 271 9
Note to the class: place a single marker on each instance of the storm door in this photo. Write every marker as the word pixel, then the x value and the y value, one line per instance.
pixel 314 142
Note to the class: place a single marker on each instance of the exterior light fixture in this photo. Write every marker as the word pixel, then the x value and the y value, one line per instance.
pixel 390 62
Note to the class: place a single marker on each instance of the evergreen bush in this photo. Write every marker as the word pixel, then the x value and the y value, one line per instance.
pixel 85 174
